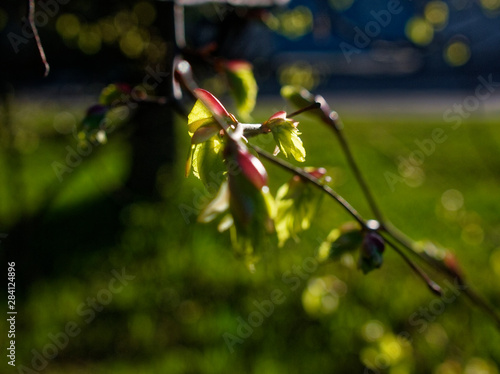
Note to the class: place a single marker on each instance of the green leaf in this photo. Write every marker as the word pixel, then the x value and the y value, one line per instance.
pixel 212 104
pixel 217 206
pixel 286 136
pixel 199 116
pixel 207 161
pixel 205 157
pixel 204 133
pixel 243 86
pixel 297 203
pixel 250 203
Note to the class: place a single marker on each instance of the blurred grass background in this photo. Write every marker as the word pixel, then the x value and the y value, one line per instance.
pixel 189 288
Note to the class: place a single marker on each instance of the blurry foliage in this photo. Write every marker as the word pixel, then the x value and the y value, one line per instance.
pixel 129 29
pixel 188 290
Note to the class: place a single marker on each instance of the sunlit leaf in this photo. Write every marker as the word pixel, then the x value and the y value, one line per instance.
pixel 207 160
pixel 199 116
pixel 204 133
pixel 218 205
pixel 243 85
pixel 205 157
pixel 297 202
pixel 286 135
pixel 251 203
pixel 211 103
pixel 248 165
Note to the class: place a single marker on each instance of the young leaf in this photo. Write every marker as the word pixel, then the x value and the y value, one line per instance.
pixel 204 133
pixel 251 203
pixel 199 116
pixel 249 165
pixel 205 157
pixel 243 85
pixel 245 194
pixel 217 206
pixel 297 203
pixel 286 135
pixel 211 103
pixel 207 161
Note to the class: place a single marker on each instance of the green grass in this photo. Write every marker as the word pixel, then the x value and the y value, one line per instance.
pixel 189 287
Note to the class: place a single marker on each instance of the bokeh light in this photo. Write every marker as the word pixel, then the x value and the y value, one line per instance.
pixel 436 336
pixel 449 367
pixel 145 12
pixel 491 5
pixel 64 122
pixel 419 31
pixel 495 261
pixel 472 234
pixel 299 73
pixel 68 26
pixel 436 13
pixel 341 4
pixel 125 20
pixel 457 52
pixel 293 23
pixel 109 32
pixel 452 200
pixel 3 19
pixel 372 331
pixel 321 296
pixel 89 40
pixel 132 43
pixel 477 365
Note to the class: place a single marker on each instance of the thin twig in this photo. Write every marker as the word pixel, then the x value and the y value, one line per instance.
pixel 335 124
pixel 433 286
pixel 305 109
pixel 465 288
pixel 314 181
pixel 31 19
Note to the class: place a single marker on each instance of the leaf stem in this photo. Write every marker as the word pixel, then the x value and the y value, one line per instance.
pixel 313 106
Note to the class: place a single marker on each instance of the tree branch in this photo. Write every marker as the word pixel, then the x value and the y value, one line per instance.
pixel 31 19
pixel 433 286
pixel 334 122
